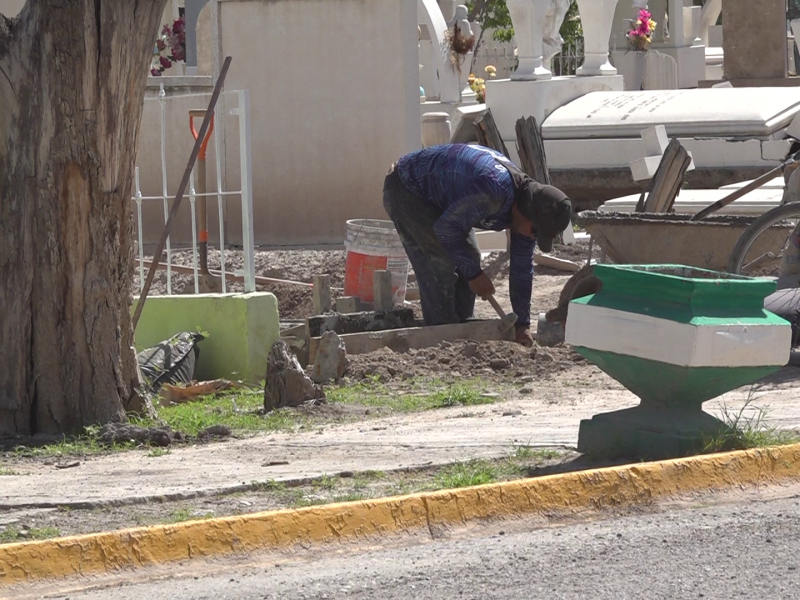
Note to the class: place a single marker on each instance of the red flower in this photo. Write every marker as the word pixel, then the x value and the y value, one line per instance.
pixel 165 62
pixel 155 72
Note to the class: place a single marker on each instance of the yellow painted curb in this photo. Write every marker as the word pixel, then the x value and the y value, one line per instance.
pixel 403 515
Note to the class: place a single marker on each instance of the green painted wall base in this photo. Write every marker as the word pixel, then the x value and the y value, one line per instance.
pixel 673 385
pixel 241 329
pixel 648 433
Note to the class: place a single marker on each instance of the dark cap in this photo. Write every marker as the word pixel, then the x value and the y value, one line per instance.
pixel 548 208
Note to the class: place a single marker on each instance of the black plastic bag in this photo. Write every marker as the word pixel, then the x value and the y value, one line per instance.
pixel 171 361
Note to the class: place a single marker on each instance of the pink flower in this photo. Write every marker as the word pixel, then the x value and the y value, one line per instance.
pixel 155 72
pixel 160 45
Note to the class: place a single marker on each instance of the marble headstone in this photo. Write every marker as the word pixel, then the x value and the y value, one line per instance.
pixel 716 112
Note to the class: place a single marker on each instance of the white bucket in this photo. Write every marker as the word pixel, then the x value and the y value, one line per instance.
pixel 373 245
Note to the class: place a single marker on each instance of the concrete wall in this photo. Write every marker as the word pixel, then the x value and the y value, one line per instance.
pixel 322 142
pixel 11 8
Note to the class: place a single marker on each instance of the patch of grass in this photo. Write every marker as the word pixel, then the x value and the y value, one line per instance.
pixel 83 445
pixel 465 474
pixel 420 398
pixel 303 501
pixel 529 453
pixel 747 428
pixel 4 471
pixel 184 514
pixel 241 410
pixel 269 486
pixel 327 482
pixel 16 534
pixel 156 452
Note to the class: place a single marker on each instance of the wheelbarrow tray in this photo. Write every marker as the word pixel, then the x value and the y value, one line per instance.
pixel 659 238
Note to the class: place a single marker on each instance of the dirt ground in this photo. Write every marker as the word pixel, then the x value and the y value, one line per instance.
pixel 294 302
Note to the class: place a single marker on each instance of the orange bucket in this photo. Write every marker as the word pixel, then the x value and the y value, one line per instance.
pixel 373 245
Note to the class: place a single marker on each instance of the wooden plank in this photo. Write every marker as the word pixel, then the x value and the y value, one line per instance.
pixel 294 330
pixel 321 294
pixel 662 182
pixel 678 185
pixel 359 322
pixel 488 134
pixel 546 260
pixel 531 150
pixel 230 276
pixel 382 290
pixel 401 340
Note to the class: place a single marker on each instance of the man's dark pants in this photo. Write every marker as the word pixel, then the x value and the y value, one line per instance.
pixel 444 295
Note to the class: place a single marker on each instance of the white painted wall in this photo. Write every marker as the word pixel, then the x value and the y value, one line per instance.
pixel 322 142
pixel 11 8
pixel 334 91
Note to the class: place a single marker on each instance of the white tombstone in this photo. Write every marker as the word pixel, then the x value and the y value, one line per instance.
pixel 660 72
pixel 670 38
pixel 528 18
pixel 597 17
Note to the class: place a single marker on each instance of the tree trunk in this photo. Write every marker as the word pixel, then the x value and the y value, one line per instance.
pixel 72 79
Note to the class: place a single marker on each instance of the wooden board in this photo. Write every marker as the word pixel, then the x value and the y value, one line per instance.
pixel 401 340
pixel 531 150
pixel 359 322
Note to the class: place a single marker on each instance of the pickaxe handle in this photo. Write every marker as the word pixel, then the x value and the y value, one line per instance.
pixel 496 305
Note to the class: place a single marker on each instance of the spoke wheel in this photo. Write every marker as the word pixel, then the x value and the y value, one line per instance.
pixel 770 246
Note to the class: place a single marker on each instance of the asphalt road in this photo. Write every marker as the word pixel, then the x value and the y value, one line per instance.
pixel 750 549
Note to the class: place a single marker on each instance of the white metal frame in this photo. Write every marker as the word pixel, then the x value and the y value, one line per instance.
pixel 242 111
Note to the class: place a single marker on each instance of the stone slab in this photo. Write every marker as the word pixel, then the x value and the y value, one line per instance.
pixel 620 152
pixel 755 39
pixel 512 100
pixel 718 112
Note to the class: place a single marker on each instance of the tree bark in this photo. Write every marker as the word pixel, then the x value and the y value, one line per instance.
pixel 72 79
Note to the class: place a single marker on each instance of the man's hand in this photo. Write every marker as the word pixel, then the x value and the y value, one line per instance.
pixel 482 286
pixel 523 336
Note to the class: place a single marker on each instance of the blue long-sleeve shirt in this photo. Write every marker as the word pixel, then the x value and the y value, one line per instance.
pixel 471 188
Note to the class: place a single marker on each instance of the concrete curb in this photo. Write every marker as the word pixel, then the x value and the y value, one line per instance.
pixel 424 514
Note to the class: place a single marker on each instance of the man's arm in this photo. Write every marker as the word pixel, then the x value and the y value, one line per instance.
pixel 520 278
pixel 453 227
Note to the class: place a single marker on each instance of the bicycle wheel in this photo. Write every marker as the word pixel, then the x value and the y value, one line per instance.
pixel 770 246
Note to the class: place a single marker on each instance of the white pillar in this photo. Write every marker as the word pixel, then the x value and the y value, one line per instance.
pixel 597 17
pixel 676 39
pixel 528 18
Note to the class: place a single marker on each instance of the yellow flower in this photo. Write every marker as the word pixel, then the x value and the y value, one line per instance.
pixel 490 70
pixel 471 78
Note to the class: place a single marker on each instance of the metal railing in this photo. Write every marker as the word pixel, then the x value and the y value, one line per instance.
pixel 242 110
pixel 568 60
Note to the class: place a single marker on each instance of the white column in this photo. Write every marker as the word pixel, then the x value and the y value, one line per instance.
pixel 676 39
pixel 597 17
pixel 528 18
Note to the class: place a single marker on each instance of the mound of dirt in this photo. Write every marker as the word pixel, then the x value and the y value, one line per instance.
pixel 465 358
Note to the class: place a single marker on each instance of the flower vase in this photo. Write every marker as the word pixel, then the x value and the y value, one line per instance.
pixel 631 65
pixel 597 17
pixel 528 18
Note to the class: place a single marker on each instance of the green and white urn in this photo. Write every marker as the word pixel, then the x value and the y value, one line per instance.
pixel 675 336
